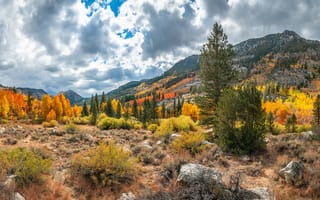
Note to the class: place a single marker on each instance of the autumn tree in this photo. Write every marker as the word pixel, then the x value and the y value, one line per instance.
pixel 51 115
pixel 216 70
pixel 4 106
pixel 46 104
pixel 163 109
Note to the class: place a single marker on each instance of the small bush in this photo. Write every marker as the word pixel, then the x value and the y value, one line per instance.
pixel 107 165
pixel 71 128
pixel 106 123
pixel 152 127
pixel 191 142
pixel 29 166
pixel 51 124
pixel 81 120
pixel 182 123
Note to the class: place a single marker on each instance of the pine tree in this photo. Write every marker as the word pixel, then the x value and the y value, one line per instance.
pixel 97 102
pixel 103 102
pixel 174 108
pixel 163 110
pixel 153 107
pixel 84 111
pixel 126 113
pixel 135 108
pixel 109 110
pixel 91 103
pixel 291 123
pixel 94 112
pixel 179 107
pixel 216 70
pixel 118 111
pixel 239 121
pixel 316 112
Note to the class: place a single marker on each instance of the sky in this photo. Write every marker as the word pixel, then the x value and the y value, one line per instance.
pixel 91 46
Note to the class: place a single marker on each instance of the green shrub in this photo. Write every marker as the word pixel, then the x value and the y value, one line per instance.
pixel 81 120
pixel 71 128
pixel 51 124
pixel 29 166
pixel 107 165
pixel 153 127
pixel 191 142
pixel 175 124
pixel 113 123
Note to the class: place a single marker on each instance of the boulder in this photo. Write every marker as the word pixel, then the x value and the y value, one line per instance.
pixel 262 192
pixel 18 196
pixel 293 173
pixel 2 130
pixel 191 173
pixel 86 137
pixel 127 196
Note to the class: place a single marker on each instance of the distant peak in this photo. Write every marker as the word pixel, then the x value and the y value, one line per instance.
pixel 289 33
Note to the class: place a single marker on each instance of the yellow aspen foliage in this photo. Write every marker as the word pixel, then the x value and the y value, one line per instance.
pixel 192 110
pixel 114 103
pixel 36 108
pixel 51 116
pixel 4 106
pixel 57 107
pixel 45 105
pixel 76 111
pixel 66 107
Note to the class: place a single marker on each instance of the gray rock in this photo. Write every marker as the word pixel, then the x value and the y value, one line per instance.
pixel 86 137
pixel 191 173
pixel 307 135
pixel 206 143
pixel 18 196
pixel 293 173
pixel 262 192
pixel 2 130
pixel 146 145
pixel 127 196
pixel 174 136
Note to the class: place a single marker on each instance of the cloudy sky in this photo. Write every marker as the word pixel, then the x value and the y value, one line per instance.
pixel 94 45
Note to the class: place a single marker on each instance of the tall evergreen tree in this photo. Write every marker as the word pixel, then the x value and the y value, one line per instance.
pixel 94 112
pixel 174 108
pixel 91 103
pixel 118 111
pixel 135 108
pixel 179 107
pixel 316 112
pixel 103 101
pixel 108 109
pixel 84 111
pixel 163 109
pixel 126 113
pixel 97 102
pixel 239 121
pixel 216 70
pixel 153 107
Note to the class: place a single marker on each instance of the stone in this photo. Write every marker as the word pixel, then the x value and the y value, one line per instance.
pixel 293 173
pixel 262 192
pixel 86 137
pixel 174 136
pixel 18 196
pixel 206 143
pixel 127 196
pixel 191 173
pixel 307 135
pixel 2 130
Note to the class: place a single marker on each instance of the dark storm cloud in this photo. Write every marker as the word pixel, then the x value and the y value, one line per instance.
pixel 52 68
pixel 168 31
pixel 41 24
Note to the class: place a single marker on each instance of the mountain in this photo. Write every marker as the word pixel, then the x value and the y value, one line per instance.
pixel 285 58
pixel 73 97
pixel 37 93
